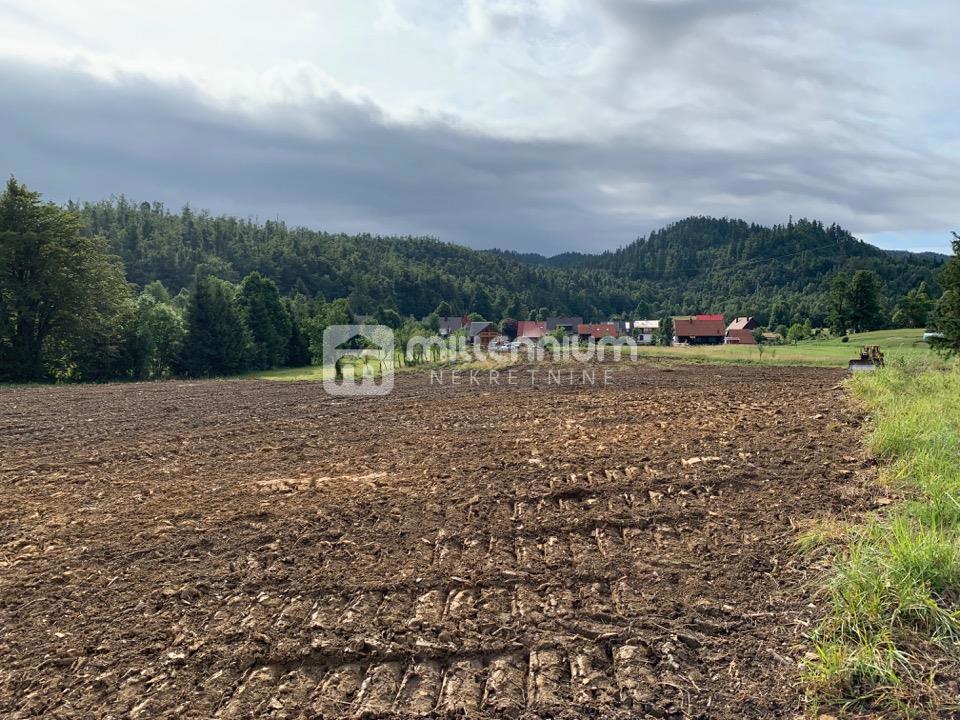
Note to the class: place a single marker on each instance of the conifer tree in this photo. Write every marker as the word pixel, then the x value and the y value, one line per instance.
pixel 269 324
pixel 864 301
pixel 217 340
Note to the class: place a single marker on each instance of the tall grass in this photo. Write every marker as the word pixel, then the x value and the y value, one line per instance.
pixel 892 632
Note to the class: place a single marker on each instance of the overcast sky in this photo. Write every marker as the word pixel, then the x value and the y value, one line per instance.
pixel 535 125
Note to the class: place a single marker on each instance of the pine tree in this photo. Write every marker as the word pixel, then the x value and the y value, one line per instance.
pixel 864 301
pixel 217 340
pixel 839 311
pixel 269 324
pixel 298 348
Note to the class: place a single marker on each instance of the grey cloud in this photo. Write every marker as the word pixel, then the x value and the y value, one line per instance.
pixel 341 166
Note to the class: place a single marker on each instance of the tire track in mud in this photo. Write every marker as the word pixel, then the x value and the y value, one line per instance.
pixel 547 620
pixel 596 677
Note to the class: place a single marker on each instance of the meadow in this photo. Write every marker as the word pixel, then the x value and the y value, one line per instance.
pixel 903 344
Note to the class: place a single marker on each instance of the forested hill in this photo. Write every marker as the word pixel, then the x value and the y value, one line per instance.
pixel 695 265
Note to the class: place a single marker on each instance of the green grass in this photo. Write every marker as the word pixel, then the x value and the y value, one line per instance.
pixel 831 352
pixel 894 601
pixel 897 345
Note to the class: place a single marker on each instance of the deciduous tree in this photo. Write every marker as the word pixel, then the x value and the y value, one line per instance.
pixel 946 316
pixel 61 295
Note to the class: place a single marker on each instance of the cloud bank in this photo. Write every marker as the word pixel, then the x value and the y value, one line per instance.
pixel 536 126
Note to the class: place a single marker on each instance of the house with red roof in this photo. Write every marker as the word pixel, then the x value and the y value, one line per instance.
pixel 531 329
pixel 740 332
pixel 597 331
pixel 699 330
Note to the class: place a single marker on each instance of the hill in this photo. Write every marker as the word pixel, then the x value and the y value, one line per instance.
pixel 697 264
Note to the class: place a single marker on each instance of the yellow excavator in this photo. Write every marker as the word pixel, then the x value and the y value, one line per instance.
pixel 870 359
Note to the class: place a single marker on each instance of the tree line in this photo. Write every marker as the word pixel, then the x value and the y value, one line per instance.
pixel 117 290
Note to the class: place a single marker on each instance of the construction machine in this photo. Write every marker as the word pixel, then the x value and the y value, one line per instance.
pixel 870 359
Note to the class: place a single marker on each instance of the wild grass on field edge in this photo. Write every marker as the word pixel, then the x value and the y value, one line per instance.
pixel 891 635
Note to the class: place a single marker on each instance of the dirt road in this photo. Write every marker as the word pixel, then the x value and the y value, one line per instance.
pixel 236 549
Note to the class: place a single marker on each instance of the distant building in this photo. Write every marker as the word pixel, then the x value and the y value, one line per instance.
pixel 699 330
pixel 531 329
pixel 597 331
pixel 569 324
pixel 482 333
pixel 644 330
pixel 448 324
pixel 740 332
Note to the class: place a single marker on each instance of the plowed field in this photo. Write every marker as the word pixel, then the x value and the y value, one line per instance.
pixel 241 549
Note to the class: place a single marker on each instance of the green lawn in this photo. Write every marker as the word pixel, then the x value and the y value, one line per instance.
pixel 904 343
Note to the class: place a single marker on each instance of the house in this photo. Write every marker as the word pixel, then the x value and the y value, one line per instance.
pixel 740 332
pixel 644 330
pixel 699 330
pixel 482 333
pixel 569 324
pixel 771 338
pixel 531 329
pixel 597 331
pixel 449 324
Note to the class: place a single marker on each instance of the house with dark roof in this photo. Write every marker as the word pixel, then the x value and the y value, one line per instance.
pixel 740 332
pixel 699 330
pixel 597 331
pixel 531 329
pixel 449 324
pixel 482 333
pixel 569 324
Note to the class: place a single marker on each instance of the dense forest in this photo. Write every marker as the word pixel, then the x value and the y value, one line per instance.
pixel 120 289
pixel 695 265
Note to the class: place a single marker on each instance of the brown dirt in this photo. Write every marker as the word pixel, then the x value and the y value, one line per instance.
pixel 236 549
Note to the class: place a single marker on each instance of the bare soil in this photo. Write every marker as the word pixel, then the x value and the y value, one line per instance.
pixel 241 549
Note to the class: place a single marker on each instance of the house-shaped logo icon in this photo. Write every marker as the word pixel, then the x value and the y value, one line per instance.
pixel 357 360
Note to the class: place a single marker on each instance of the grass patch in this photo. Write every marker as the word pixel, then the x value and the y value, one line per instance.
pixel 905 344
pixel 892 633
pixel 900 346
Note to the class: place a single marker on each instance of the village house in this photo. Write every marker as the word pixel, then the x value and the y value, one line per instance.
pixel 449 324
pixel 644 330
pixel 699 330
pixel 597 331
pixel 740 332
pixel 568 324
pixel 482 333
pixel 531 329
